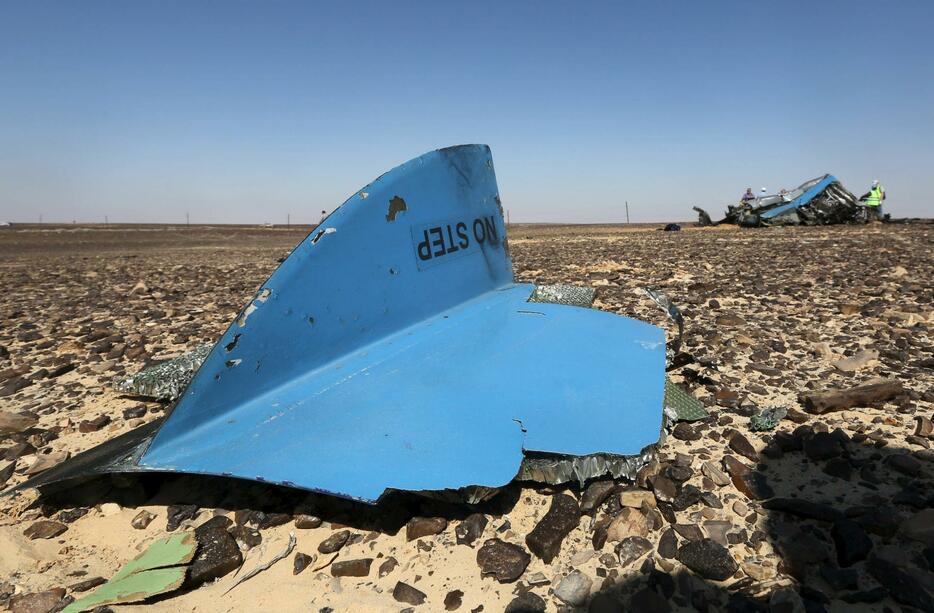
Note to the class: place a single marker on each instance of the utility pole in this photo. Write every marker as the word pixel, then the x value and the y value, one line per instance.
pixel 40 219
pixel 507 217
pixel 627 211
pixel 106 222
pixel 288 220
pixel 187 220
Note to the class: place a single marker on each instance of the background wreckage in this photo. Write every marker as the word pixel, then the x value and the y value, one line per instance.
pixel 820 201
pixel 392 350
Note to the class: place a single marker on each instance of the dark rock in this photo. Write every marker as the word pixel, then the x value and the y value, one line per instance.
pixel 664 488
pixel 684 432
pixel 840 579
pixel 690 532
pixel 37 602
pixel 822 446
pixel 503 561
pixel 741 445
pixel 249 537
pixel 679 473
pixel 595 495
pixel 135 412
pixel 44 529
pixel 562 517
pixel 388 565
pixel 686 498
pixel 352 568
pixel 668 544
pixel 708 559
pixel 301 562
pixel 908 586
pixel 6 472
pixel 69 515
pixel 263 520
pixel 177 513
pixel 403 592
pixel 334 542
pixel 750 483
pixel 453 600
pixel 93 425
pixel 799 550
pixel 527 602
pixel 470 529
pixel 417 527
pixel 631 549
pixel 872 596
pixel 217 552
pixel 307 522
pixel 905 464
pixel 839 468
pixel 803 508
pixel 87 584
pixel 18 450
pixel 851 541
pixel 647 600
pixel 142 519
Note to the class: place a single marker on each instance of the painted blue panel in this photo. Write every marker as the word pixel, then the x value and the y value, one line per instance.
pixel 392 350
pixel 801 200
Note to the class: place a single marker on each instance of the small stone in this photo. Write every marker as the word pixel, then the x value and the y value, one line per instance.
pixel 636 498
pixel 574 589
pixel 352 568
pixel 708 559
pixel 668 544
pixel 905 464
pixel 629 522
pixel 246 536
pixel 419 527
pixel 631 549
pixel 595 495
pixel 756 569
pixel 562 517
pixel 920 527
pixel 217 553
pixel 684 432
pixel 6 472
pixel 44 529
pixel 505 562
pixel 177 513
pixel 15 423
pixel 750 483
pixel 712 472
pixel 690 532
pixel 109 509
pixel 469 530
pixel 70 515
pixel 403 592
pixel 93 425
pixel 851 541
pixel 388 565
pixel 87 584
pixel 740 508
pixel 664 489
pixel 527 602
pixel 307 522
pixel 924 427
pixel 135 412
pixel 301 562
pixel 333 543
pixel 741 445
pixel 37 602
pixel 453 600
pixel 142 519
pixel 822 446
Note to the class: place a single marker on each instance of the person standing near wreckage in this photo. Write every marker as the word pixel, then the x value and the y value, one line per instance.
pixel 873 200
pixel 748 197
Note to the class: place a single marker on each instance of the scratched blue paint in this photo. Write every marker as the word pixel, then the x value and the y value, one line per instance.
pixel 392 349
pixel 803 199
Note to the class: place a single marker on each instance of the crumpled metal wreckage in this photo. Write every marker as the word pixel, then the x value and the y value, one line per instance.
pixel 820 201
pixel 392 350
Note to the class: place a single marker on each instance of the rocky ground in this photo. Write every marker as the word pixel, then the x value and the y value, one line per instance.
pixel 828 511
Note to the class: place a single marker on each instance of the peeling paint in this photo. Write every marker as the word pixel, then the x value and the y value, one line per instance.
pixel 232 363
pixel 396 205
pixel 232 344
pixel 245 314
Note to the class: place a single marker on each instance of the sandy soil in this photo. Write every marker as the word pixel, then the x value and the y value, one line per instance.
pixel 769 313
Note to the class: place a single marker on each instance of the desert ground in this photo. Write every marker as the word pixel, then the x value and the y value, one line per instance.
pixel 828 511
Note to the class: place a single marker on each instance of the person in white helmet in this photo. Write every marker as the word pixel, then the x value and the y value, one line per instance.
pixel 873 200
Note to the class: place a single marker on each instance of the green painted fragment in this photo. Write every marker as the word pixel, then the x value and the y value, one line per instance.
pixel 159 569
pixel 684 406
pixel 767 419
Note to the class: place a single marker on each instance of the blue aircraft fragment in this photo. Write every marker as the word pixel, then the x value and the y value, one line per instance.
pixel 393 350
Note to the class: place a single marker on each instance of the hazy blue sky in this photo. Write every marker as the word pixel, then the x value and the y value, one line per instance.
pixel 244 112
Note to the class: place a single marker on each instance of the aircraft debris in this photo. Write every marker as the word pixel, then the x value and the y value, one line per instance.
pixel 387 349
pixel 818 202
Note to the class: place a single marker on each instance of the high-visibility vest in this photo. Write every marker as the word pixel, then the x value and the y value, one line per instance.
pixel 875 196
